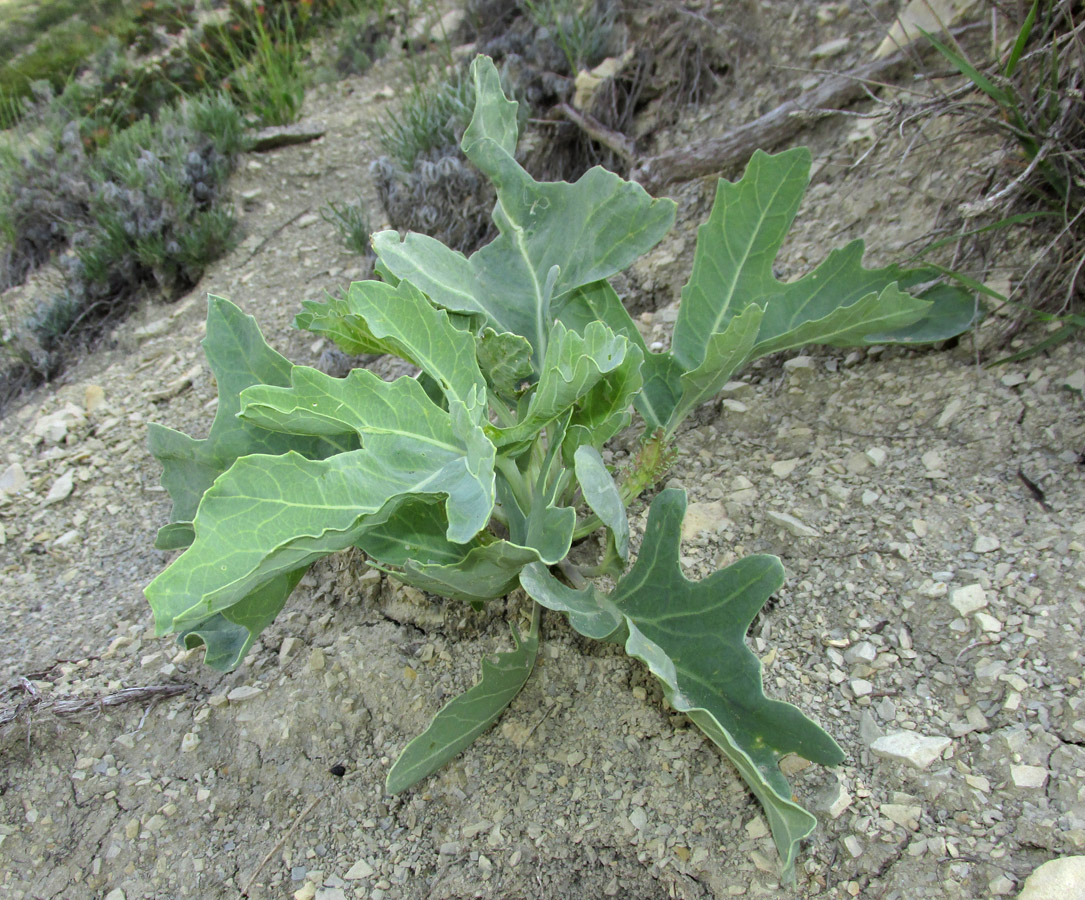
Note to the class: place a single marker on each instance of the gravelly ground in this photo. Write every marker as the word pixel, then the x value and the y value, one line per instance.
pixel 930 593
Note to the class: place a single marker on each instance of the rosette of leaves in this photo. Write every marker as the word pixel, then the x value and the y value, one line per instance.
pixel 478 476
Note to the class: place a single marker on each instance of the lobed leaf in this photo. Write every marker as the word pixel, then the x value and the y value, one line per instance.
pixel 691 636
pixel 238 357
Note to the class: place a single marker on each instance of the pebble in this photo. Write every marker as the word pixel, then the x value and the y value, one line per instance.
pixel 1028 776
pixel 316 660
pixel 785 467
pixel 792 525
pixel 1056 879
pixel 835 800
pixel 14 480
pixel 854 846
pixel 190 742
pixel 949 413
pixel 361 869
pixel 986 544
pixel 287 649
pixel 967 600
pixel 115 894
pixel 639 818
pixel 988 623
pixel 915 749
pixel 877 456
pixel 902 814
pixel 306 892
pixel 933 463
pixel 61 489
pixel 830 48
pixel 330 893
pixel 245 692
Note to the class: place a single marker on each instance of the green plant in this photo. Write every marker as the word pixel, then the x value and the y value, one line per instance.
pixel 352 223
pixel 481 474
pixel 585 33
pixel 259 59
pixel 430 118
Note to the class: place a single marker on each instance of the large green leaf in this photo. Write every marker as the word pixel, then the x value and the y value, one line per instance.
pixel 840 302
pixel 467 716
pixel 238 357
pixel 272 514
pixel 691 636
pixel 484 573
pixel 553 237
pixel 336 320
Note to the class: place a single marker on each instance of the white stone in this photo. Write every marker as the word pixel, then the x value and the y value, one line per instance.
pixel 61 489
pixel 1028 776
pixel 830 48
pixel 877 456
pixel 639 818
pixel 988 623
pixel 908 746
pixel 949 413
pixel 986 544
pixel 190 742
pixel 245 692
pixel 854 846
pixel 705 516
pixel 861 687
pixel 330 893
pixel 115 894
pixel 14 479
pixel 785 467
pixel 1057 879
pixel 792 525
pixel 361 869
pixel 903 814
pixel 287 648
pixel 798 364
pixel 967 600
pixel 933 462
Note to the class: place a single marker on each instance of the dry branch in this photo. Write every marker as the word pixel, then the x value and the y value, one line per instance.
pixel 772 129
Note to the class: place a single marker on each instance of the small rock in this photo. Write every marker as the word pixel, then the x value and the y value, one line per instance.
pixel 835 800
pixel 288 648
pixel 988 623
pixel 330 893
pixel 54 428
pixel 902 814
pixel 245 692
pixel 639 818
pixel 1013 379
pixel 857 463
pixel 709 517
pixel 1000 885
pixel 949 413
pixel 830 48
pixel 933 462
pixel 1056 879
pixel 792 525
pixel 861 687
pixel 1076 382
pixel 190 742
pixel 854 846
pixel 864 652
pixel 986 544
pixel 967 600
pixel 1028 776
pixel 306 892
pixel 908 746
pixel 877 456
pixel 316 659
pixel 115 894
pixel 307 220
pixel 785 467
pixel 61 489
pixel 14 480
pixel 361 869
pixel 93 397
pixel 756 828
pixel 799 365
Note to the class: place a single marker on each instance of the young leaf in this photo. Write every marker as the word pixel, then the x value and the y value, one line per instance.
pixel 238 357
pixel 553 237
pixel 334 319
pixel 590 613
pixel 505 361
pixel 484 573
pixel 601 494
pixel 574 364
pixel 463 719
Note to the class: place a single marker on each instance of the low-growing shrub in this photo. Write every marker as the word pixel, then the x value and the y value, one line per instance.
pixel 146 211
pixel 480 475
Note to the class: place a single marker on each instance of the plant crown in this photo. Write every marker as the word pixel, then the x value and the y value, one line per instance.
pixel 478 476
